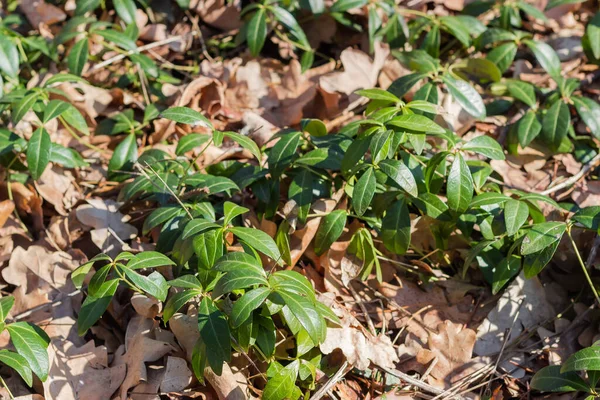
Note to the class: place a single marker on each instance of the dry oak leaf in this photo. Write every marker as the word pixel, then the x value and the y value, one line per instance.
pixel 360 71
pixel 452 346
pixel 359 346
pixel 6 209
pixel 32 267
pixel 81 372
pixel 38 12
pixel 177 375
pixel 106 220
pixel 141 351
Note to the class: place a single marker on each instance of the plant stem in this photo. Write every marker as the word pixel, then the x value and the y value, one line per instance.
pixel 585 271
pixel 6 387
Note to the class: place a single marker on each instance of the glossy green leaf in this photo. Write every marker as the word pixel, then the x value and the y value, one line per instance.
pixel 154 284
pixel 281 386
pixel 589 217
pixel 283 152
pixel 555 124
pixel 245 142
pixel 541 236
pixel 522 91
pixel 18 363
pixel 126 10
pixel 378 94
pixel 505 271
pixel 215 334
pixel 466 96
pixel 486 146
pixel 256 32
pixel 416 123
pixel 21 108
pixel 330 229
pixel 460 185
pixel 208 247
pixel 395 228
pixel 123 158
pixel 589 111
pixel 304 310
pixel 38 152
pixel 363 192
pixel 529 127
pixel 177 301
pixel 258 240
pixel 185 115
pixel 546 57
pixel 117 38
pixel 94 306
pixel 31 343
pixel 149 259
pixel 587 359
pixel 243 307
pixel 516 214
pixel 294 282
pixel 551 379
pixel 9 57
pixel 78 56
pixel 534 263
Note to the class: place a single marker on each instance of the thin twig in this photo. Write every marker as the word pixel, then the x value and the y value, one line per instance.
pixel 140 49
pixel 593 163
pixel 416 382
pixel 331 382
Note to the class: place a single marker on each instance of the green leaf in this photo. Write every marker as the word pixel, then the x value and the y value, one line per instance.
pixel 395 228
pixel 541 236
pixel 301 192
pixel 529 127
pixel 486 146
pixel 304 310
pixel 84 6
pixel 94 306
pixel 208 247
pixel 287 19
pixel 9 57
pixel 532 11
pixel 196 226
pixel 149 259
pixel 31 343
pixel 592 31
pixel 146 64
pixel 190 142
pixel 555 124
pixel 423 106
pixel 6 304
pixel 78 56
pixel 466 96
pixel 294 282
pixel 363 192
pixel 123 158
pixel 199 360
pixel 589 217
pixel 177 301
pixel 503 55
pixel 431 205
pixel 256 32
pixel 551 379
pixel 402 85
pixel 534 263
pixel 215 334
pixel 258 240
pixel 555 3
pixel 457 29
pixel 236 260
pixel 53 109
pixel 243 307
pixel 522 91
pixel 282 153
pixel 416 123
pixel 589 111
pixel 232 210
pixel 117 38
pixel 126 10
pixel 281 386
pixel 584 360
pixel 241 278
pixel 185 115
pixel 153 284
pixel 515 215
pixel 315 127
pixel 23 106
pixel 505 271
pixel 73 117
pixel 246 143
pixel 460 185
pixel 330 229
pixel 160 216
pixel 378 94
pixel 18 363
pixel 546 57
pixel 341 6
pixel 68 158
pixel 38 152
pixel 186 282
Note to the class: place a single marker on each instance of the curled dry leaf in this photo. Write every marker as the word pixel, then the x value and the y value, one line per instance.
pixel 6 209
pixel 145 306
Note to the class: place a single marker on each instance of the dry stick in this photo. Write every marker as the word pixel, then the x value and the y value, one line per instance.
pixel 415 382
pixel 119 57
pixel 593 163
pixel 331 382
